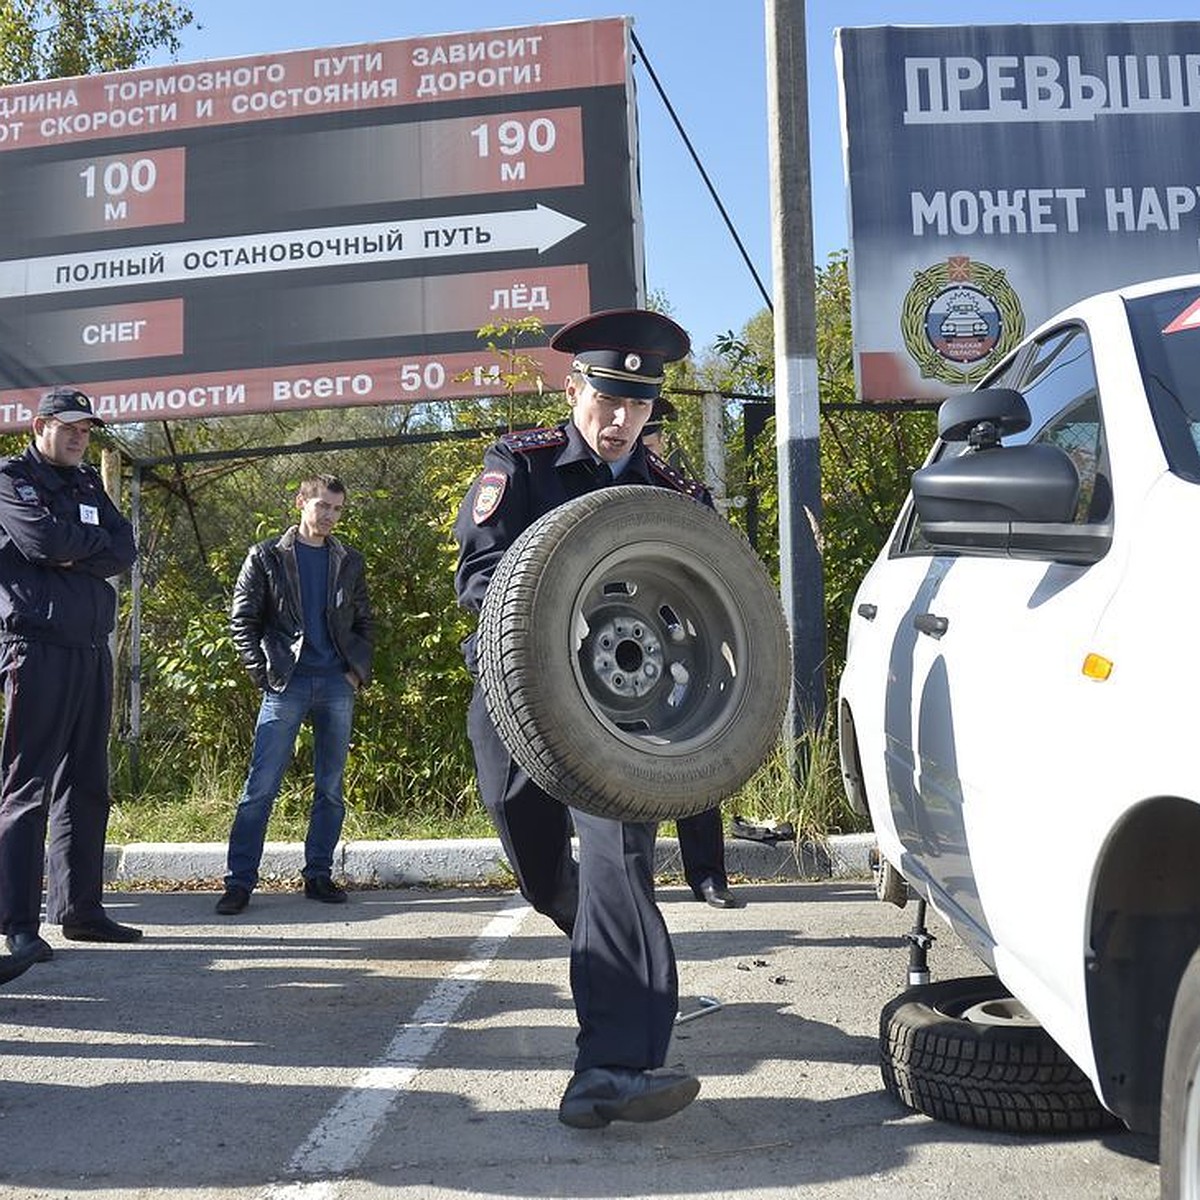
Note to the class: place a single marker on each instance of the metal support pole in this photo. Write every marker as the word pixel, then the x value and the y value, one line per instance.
pixel 797 406
pixel 713 429
pixel 135 635
pixel 110 476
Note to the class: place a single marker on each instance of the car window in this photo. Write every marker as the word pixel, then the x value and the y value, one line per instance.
pixel 1058 375
pixel 1080 432
pixel 1167 339
pixel 1058 380
pixel 1059 385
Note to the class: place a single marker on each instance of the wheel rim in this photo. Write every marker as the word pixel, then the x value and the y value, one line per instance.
pixel 1003 1011
pixel 658 647
pixel 1189 1143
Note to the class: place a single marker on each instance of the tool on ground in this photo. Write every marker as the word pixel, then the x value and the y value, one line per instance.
pixel 707 1004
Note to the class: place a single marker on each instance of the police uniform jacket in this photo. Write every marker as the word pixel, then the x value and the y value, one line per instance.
pixel 61 539
pixel 267 616
pixel 527 474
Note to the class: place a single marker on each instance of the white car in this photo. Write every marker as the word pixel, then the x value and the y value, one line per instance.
pixel 1016 713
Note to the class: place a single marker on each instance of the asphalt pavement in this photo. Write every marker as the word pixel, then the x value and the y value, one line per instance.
pixel 414 1043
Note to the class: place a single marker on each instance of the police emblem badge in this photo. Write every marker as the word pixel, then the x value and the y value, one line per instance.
pixel 488 495
pixel 959 318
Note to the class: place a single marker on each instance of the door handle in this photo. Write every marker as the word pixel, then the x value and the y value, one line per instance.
pixel 931 624
pixel 868 611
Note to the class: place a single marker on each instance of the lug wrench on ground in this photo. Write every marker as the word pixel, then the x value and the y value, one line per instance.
pixel 707 1005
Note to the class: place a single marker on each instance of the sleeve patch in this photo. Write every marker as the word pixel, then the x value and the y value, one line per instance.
pixel 488 495
pixel 26 492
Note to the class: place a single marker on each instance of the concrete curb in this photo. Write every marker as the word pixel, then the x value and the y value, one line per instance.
pixel 467 861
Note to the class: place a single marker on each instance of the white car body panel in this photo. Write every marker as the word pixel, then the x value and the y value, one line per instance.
pixel 996 771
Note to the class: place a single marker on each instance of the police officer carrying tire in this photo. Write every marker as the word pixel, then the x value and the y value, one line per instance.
pixel 623 976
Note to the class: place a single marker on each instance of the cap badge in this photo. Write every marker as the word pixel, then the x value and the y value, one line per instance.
pixel 633 362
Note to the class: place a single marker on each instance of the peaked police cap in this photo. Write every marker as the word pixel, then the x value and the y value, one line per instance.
pixel 622 351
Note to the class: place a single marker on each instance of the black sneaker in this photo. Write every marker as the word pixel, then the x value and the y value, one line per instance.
pixel 235 899
pixel 321 887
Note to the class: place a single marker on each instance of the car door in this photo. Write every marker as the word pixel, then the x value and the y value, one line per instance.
pixel 1007 704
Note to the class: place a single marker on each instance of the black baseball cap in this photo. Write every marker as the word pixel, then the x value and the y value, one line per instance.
pixel 67 404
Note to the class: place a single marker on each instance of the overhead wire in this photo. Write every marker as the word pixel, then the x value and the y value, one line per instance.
pixel 712 191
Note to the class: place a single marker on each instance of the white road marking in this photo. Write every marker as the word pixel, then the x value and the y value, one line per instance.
pixel 343 1136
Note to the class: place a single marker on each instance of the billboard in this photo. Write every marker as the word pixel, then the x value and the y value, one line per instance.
pixel 315 228
pixel 997 173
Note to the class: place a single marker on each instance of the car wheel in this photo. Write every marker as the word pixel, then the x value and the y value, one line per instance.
pixel 633 655
pixel 1179 1145
pixel 964 1050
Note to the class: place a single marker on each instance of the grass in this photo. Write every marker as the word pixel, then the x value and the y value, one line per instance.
pixel 800 783
pixel 207 817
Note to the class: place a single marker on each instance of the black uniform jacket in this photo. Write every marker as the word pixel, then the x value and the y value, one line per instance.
pixel 524 476
pixel 267 616
pixel 61 539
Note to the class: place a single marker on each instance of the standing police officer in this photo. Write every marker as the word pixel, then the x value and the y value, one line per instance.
pixel 702 836
pixel 61 539
pixel 623 976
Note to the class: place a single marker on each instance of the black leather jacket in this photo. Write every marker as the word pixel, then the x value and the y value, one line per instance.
pixel 267 619
pixel 61 538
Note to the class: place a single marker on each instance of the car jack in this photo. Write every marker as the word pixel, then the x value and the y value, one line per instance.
pixel 919 940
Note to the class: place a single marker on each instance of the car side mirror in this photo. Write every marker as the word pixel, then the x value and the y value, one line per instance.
pixel 1015 501
pixel 1012 483
pixel 981 418
pixel 1012 501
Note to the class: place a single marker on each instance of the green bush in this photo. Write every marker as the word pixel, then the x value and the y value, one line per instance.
pixel 213 488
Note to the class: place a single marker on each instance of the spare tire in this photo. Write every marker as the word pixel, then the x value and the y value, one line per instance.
pixel 633 655
pixel 964 1050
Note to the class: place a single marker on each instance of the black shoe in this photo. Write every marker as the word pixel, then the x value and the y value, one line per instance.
pixel 718 895
pixel 30 946
pixel 234 900
pixel 102 929
pixel 12 965
pixel 769 830
pixel 602 1094
pixel 321 887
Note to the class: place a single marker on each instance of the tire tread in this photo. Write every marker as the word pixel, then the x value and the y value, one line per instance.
pixel 505 638
pixel 1014 1080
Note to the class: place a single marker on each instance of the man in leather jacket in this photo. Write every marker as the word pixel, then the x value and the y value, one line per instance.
pixel 61 539
pixel 302 624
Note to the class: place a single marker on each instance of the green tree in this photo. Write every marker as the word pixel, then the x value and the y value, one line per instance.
pixel 867 454
pixel 57 39
pixel 410 770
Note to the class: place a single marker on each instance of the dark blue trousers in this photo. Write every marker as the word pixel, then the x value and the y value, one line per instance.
pixel 623 978
pixel 702 848
pixel 53 771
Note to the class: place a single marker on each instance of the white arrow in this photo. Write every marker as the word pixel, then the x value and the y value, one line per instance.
pixel 536 228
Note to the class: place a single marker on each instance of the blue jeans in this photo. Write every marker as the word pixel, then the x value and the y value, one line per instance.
pixel 329 701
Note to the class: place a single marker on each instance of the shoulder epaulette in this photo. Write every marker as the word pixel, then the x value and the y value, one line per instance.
pixel 676 479
pixel 535 439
